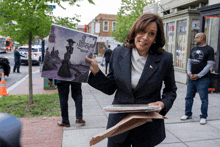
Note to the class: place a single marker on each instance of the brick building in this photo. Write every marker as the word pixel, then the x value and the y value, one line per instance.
pixel 80 27
pixel 102 25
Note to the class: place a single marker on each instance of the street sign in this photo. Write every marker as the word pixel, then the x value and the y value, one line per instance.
pixel 153 8
pixel 52 7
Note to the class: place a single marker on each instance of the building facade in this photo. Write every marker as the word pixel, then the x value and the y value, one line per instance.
pixel 182 20
pixel 102 25
pixel 181 23
pixel 80 27
pixel 209 20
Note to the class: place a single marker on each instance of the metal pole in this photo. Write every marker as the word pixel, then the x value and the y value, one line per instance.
pixel 43 49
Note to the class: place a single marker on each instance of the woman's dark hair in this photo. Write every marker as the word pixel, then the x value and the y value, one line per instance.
pixel 141 24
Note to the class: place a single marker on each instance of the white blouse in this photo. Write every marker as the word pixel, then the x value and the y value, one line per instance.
pixel 137 66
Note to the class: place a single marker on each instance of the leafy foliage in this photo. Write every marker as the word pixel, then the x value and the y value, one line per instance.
pixel 35 16
pixel 129 12
pixel 23 20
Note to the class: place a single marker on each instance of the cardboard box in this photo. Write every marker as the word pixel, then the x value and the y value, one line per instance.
pixel 131 121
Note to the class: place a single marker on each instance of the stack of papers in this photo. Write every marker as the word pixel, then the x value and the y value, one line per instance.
pixel 126 108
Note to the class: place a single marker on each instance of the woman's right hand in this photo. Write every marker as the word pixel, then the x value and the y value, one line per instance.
pixel 94 67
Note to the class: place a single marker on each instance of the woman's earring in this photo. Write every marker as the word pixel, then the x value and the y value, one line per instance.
pixel 154 42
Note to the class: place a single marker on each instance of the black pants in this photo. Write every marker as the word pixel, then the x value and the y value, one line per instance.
pixel 17 66
pixel 76 92
pixel 106 66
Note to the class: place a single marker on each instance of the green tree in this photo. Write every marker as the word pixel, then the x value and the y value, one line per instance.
pixel 25 19
pixel 129 12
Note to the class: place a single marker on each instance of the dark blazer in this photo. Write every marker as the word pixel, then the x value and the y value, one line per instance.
pixel 158 69
pixel 107 55
pixel 17 56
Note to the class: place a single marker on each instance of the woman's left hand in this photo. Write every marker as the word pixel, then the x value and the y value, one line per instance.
pixel 158 103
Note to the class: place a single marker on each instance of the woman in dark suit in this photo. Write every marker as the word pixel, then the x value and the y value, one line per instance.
pixel 137 71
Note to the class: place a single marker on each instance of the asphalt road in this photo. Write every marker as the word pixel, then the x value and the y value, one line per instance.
pixel 14 77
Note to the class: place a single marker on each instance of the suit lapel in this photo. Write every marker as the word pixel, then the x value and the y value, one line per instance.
pixel 125 65
pixel 149 69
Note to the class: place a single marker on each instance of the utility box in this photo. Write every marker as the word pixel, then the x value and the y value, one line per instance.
pixel 47 87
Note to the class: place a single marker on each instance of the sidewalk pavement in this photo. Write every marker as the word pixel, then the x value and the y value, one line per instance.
pixel 179 133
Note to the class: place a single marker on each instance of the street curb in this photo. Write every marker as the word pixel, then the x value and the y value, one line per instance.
pixel 17 83
pixel 20 81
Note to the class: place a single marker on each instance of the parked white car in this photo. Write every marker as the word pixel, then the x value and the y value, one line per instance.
pixel 36 54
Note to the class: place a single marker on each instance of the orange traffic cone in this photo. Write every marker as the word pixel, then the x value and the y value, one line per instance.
pixel 3 86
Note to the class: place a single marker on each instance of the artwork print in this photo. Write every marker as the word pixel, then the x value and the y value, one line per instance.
pixel 65 54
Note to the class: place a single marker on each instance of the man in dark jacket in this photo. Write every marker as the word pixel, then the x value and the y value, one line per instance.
pixel 17 60
pixel 107 56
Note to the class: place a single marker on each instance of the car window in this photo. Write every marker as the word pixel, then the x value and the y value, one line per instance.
pixel 23 49
pixel 34 50
pixel 26 49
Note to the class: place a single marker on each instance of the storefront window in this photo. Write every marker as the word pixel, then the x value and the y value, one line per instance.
pixel 181 43
pixel 195 29
pixel 211 31
pixel 170 36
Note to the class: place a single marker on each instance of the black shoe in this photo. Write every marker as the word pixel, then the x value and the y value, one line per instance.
pixel 18 72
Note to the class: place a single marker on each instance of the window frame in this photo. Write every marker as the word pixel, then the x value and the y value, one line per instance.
pixel 104 26
pixel 113 26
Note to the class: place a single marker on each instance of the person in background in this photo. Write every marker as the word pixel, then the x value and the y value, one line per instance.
pixel 76 93
pixel 103 61
pixel 107 56
pixel 198 68
pixel 118 45
pixel 137 71
pixel 17 59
